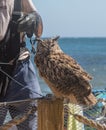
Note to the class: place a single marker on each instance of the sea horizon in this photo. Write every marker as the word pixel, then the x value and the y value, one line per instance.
pixel 76 37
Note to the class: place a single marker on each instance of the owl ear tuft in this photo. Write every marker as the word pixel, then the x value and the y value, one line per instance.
pixel 56 38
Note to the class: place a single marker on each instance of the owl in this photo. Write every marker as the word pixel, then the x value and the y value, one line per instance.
pixel 65 77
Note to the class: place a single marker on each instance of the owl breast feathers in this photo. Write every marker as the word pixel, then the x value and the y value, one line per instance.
pixel 65 77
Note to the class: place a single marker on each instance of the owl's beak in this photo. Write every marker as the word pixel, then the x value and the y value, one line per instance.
pixel 39 39
pixel 31 24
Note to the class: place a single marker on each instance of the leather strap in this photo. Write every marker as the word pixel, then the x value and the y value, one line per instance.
pixel 17 7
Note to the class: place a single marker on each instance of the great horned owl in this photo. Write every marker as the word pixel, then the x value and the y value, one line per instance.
pixel 62 73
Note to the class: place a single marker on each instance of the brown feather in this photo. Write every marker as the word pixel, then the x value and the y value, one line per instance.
pixel 63 74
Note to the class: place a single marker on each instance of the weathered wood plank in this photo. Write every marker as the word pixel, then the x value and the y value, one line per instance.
pixel 50 114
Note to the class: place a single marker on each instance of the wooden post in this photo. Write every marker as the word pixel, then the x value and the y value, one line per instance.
pixel 50 114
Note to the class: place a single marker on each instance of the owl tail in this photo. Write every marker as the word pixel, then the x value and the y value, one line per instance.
pixel 89 100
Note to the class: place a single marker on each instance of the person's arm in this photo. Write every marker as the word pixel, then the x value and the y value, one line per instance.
pixel 6 8
pixel 28 6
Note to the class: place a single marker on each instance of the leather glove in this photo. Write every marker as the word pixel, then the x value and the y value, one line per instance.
pixel 31 24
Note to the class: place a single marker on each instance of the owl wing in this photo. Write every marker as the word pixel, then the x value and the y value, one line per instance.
pixel 66 65
pixel 66 74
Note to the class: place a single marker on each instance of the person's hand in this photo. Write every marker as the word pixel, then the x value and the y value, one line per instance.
pixel 31 24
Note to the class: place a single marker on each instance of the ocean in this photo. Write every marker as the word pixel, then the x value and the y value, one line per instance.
pixel 90 53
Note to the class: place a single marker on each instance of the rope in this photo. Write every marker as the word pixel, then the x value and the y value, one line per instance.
pixel 86 121
pixel 89 122
pixel 20 101
pixel 32 44
pixel 102 100
pixel 18 119
pixel 3 63
pixel 11 78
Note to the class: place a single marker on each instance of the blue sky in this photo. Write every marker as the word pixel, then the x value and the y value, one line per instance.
pixel 73 18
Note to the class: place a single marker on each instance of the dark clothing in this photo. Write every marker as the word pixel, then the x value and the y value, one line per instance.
pixel 22 71
pixel 9 50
